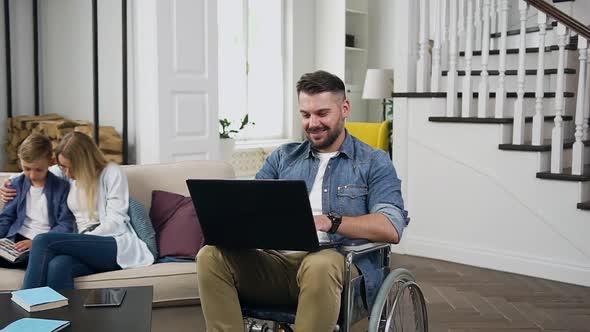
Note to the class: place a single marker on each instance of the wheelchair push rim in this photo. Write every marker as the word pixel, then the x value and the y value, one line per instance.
pixel 392 310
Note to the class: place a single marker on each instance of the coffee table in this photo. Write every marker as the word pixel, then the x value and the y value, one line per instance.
pixel 134 314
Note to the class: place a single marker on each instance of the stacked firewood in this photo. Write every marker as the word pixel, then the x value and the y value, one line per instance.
pixel 55 127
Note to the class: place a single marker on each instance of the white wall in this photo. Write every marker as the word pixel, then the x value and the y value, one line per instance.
pixel 471 203
pixel 144 91
pixel 581 11
pixel 65 58
pixel 300 52
pixel 21 26
pixel 381 46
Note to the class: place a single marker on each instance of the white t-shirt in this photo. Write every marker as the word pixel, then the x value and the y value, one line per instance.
pixel 36 218
pixel 75 199
pixel 315 196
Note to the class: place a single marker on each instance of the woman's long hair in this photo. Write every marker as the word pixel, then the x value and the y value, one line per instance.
pixel 87 163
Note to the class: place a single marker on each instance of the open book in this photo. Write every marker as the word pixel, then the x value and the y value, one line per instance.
pixel 8 251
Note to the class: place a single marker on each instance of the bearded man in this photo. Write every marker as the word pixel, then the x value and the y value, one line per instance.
pixel 354 193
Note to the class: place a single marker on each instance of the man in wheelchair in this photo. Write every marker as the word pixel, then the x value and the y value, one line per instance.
pixel 354 193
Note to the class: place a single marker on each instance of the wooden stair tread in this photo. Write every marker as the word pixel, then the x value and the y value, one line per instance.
pixel 546 146
pixel 512 72
pixel 550 48
pixel 515 32
pixel 475 94
pixel 584 205
pixel 566 175
pixel 506 120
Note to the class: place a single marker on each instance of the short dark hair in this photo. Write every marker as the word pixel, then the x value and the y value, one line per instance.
pixel 320 81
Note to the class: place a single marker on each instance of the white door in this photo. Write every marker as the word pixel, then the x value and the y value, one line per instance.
pixel 176 89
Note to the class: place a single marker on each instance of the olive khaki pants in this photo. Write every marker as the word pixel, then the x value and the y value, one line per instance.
pixel 312 281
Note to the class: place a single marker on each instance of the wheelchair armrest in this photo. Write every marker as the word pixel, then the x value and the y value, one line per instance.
pixel 362 249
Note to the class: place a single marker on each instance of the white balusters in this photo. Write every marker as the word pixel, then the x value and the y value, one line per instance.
pixel 452 74
pixel 467 95
pixel 477 24
pixel 557 132
pixel 438 36
pixel 493 20
pixel 518 127
pixel 424 49
pixel 587 99
pixel 500 91
pixel 538 118
pixel 461 25
pixel 578 149
pixel 483 91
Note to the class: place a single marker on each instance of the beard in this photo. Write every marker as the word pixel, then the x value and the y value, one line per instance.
pixel 332 135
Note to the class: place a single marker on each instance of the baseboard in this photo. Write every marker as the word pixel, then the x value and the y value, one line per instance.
pixel 538 267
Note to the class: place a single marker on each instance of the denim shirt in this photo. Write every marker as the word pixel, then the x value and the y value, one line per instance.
pixel 359 180
pixel 60 218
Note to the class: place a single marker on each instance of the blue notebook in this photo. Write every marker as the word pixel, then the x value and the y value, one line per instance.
pixel 36 325
pixel 37 299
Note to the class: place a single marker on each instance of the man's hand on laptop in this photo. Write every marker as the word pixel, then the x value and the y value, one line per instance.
pixel 322 223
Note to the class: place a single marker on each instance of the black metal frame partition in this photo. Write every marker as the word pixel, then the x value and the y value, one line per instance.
pixel 95 72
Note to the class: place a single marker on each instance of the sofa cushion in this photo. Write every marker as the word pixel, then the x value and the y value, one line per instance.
pixel 178 231
pixel 141 223
pixel 171 281
pixel 11 279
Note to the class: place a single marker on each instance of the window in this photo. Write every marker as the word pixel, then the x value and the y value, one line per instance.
pixel 251 66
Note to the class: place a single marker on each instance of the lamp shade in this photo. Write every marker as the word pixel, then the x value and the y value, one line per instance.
pixel 378 84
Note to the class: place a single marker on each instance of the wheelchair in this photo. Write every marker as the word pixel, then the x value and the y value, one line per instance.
pixel 399 305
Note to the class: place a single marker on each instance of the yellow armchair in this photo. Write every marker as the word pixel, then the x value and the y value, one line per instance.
pixel 373 133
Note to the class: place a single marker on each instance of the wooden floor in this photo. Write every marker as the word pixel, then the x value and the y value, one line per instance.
pixel 463 298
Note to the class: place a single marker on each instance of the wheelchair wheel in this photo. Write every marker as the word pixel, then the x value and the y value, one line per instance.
pixel 399 305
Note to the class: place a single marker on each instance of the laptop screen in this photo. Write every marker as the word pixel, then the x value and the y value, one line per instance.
pixel 263 214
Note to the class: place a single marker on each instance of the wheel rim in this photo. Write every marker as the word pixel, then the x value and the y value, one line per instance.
pixel 405 308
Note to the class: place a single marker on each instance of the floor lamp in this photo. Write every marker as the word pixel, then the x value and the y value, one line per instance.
pixel 379 85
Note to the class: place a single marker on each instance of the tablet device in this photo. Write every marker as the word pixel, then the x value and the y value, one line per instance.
pixel 105 297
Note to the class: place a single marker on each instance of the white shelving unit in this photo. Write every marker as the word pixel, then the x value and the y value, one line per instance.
pixel 334 20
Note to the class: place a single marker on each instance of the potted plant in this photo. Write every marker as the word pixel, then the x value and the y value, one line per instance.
pixel 226 134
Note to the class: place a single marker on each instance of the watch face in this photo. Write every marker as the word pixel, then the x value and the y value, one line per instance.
pixel 336 220
pixel 335 216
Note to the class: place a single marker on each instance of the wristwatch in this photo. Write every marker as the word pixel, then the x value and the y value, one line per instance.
pixel 336 220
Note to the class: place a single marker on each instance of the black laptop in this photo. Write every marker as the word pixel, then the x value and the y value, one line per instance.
pixel 255 214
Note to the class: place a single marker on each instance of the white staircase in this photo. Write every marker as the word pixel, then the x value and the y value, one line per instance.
pixel 495 150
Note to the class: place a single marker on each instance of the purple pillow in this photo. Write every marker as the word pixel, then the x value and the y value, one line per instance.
pixel 177 227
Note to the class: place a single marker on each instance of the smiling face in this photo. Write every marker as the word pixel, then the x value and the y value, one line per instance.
pixel 322 118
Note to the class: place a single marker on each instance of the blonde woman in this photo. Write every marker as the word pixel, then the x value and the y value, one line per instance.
pixel 99 200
